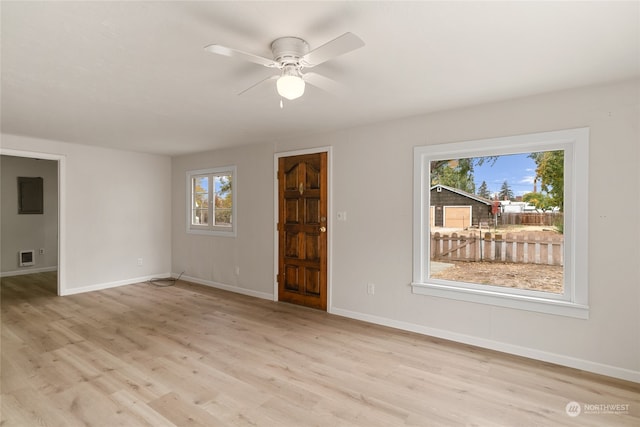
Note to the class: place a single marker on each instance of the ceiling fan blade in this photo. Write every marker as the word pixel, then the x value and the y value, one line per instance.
pixel 336 47
pixel 324 83
pixel 258 84
pixel 227 51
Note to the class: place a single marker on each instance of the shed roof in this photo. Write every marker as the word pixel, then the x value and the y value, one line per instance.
pixel 463 193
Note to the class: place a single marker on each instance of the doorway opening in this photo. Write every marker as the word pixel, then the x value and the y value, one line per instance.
pixel 41 232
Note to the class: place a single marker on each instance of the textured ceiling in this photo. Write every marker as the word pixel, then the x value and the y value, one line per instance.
pixel 134 75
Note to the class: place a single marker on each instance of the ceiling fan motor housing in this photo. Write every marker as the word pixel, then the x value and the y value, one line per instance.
pixel 289 50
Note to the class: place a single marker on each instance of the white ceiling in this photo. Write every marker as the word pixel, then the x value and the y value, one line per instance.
pixel 134 75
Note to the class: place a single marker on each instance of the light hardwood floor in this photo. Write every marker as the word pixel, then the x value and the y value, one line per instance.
pixel 197 356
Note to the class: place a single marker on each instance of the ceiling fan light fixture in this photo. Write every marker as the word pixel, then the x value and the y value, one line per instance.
pixel 290 84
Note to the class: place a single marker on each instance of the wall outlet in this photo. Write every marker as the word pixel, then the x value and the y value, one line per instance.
pixel 139 261
pixel 371 288
pixel 237 270
pixel 41 251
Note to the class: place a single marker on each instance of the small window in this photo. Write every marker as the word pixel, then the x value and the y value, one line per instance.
pixel 211 201
pixel 514 236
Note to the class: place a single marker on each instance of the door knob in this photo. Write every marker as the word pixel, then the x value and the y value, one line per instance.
pixel 323 229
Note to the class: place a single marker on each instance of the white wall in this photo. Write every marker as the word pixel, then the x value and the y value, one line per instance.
pixel 33 231
pixel 215 259
pixel 117 208
pixel 374 160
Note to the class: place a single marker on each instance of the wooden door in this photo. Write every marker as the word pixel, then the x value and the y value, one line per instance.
pixel 302 230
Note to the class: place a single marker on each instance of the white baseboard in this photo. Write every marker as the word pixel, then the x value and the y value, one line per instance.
pixel 558 359
pixel 236 289
pixel 101 286
pixel 28 271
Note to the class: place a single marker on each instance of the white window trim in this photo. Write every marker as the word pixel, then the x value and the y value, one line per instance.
pixel 212 230
pixel 574 300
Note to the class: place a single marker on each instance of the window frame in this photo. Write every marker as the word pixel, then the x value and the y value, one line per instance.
pixel 573 302
pixel 211 229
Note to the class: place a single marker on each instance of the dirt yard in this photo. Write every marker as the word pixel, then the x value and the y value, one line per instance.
pixel 546 278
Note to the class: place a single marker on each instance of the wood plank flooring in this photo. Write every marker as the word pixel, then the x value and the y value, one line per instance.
pixel 191 355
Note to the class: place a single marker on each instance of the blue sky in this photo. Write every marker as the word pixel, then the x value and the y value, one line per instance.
pixel 517 169
pixel 204 183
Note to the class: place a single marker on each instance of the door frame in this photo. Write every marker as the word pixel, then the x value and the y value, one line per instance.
pixel 62 206
pixel 276 158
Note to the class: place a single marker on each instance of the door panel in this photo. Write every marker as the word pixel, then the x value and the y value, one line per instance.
pixel 313 177
pixel 312 211
pixel 291 211
pixel 312 282
pixel 291 178
pixel 457 216
pixel 432 216
pixel 291 279
pixel 302 222
pixel 312 247
pixel 291 248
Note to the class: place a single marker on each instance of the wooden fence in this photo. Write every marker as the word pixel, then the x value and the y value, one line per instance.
pixel 530 218
pixel 523 248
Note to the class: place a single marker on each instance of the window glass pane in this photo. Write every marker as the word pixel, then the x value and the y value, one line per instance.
pixel 200 200
pixel 223 202
pixel 498 220
pixel 200 217
pixel 200 185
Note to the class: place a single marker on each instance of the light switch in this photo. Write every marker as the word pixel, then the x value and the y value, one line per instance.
pixel 342 216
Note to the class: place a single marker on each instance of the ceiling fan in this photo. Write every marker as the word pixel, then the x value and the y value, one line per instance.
pixel 290 56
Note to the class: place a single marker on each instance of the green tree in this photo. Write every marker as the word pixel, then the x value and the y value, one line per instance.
pixel 540 200
pixel 225 183
pixel 458 173
pixel 550 171
pixel 453 173
pixel 458 177
pixel 505 192
pixel 223 199
pixel 483 190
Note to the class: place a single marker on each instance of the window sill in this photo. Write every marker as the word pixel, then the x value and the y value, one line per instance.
pixel 222 233
pixel 520 302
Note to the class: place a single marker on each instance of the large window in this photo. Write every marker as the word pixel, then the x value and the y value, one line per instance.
pixel 503 221
pixel 211 201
